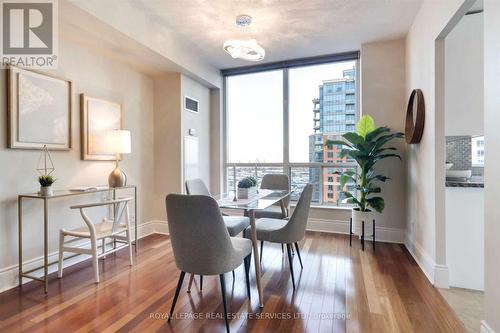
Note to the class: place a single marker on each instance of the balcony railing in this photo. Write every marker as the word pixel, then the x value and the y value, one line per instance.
pixel 321 175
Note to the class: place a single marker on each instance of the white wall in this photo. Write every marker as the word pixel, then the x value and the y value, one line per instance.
pixel 464 80
pixel 425 189
pixel 200 122
pixel 465 237
pixel 492 176
pixel 96 76
pixel 167 140
pixel 383 97
pixel 171 124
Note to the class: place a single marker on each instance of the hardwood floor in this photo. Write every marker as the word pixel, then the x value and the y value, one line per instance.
pixel 340 289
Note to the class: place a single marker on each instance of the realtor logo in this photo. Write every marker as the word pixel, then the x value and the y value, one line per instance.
pixel 29 31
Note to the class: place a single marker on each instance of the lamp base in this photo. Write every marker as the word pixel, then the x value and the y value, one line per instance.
pixel 117 178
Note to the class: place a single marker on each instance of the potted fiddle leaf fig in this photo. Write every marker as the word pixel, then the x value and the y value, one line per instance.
pixel 367 146
pixel 247 187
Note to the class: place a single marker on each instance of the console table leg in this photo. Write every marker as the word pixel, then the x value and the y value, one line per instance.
pixel 46 244
pixel 20 236
pixel 135 218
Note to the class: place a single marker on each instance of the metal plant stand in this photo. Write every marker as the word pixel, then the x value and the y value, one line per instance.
pixel 362 239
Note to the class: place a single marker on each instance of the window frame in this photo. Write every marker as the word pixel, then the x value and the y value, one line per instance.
pixel 285 66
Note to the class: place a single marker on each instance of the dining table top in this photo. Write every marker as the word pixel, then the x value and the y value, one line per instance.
pixel 260 201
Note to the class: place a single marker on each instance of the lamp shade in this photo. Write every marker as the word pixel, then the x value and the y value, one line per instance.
pixel 117 142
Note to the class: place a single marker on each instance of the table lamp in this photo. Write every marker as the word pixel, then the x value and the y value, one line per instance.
pixel 117 142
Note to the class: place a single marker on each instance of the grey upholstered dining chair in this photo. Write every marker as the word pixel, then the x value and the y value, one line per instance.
pixel 234 224
pixel 278 181
pixel 201 242
pixel 272 181
pixel 288 231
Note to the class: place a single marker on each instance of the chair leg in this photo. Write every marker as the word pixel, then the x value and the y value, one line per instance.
pixel 191 279
pixel 95 263
pixel 177 290
pixel 233 275
pixel 61 255
pixel 223 289
pixel 247 273
pixel 103 243
pixel 298 254
pixel 290 260
pixel 261 249
pixel 201 282
pixel 282 248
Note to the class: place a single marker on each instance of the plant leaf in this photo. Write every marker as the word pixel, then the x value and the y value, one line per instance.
pixel 376 132
pixel 353 138
pixel 376 203
pixel 330 143
pixel 365 125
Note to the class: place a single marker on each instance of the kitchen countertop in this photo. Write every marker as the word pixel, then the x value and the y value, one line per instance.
pixel 474 181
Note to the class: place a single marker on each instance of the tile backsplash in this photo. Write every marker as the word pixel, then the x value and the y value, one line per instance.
pixel 459 152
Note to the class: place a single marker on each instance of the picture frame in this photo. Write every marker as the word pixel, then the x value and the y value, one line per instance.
pixel 98 116
pixel 39 110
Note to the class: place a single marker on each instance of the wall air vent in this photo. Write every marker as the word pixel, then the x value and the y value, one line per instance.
pixel 191 104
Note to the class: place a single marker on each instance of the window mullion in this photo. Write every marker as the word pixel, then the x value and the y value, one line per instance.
pixel 286 125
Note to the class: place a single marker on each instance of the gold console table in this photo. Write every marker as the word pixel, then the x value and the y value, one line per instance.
pixel 46 199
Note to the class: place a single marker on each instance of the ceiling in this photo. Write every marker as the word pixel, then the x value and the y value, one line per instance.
pixel 287 29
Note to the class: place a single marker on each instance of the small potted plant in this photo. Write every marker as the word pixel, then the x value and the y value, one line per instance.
pixel 247 187
pixel 46 182
pixel 366 146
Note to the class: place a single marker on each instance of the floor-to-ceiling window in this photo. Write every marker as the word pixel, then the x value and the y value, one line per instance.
pixel 279 120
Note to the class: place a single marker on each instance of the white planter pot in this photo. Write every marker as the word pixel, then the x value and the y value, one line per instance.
pixel 358 217
pixel 245 193
pixel 46 191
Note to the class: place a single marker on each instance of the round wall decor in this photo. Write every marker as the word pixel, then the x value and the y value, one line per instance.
pixel 415 117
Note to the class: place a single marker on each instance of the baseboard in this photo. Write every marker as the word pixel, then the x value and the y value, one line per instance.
pixel 438 275
pixel 383 234
pixel 485 328
pixel 9 275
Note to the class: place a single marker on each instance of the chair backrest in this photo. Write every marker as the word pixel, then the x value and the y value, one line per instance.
pixel 278 181
pixel 120 208
pixel 196 187
pixel 200 240
pixel 295 229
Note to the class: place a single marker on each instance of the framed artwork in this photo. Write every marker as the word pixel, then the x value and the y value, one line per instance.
pixel 39 110
pixel 97 117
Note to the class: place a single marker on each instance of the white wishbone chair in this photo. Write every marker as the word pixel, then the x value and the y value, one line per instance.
pixel 107 228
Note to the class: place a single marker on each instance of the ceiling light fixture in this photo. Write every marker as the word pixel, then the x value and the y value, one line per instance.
pixel 246 49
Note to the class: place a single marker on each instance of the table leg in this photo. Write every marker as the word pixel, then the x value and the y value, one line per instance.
pixel 46 244
pixel 20 236
pixel 283 209
pixel 253 234
pixel 135 218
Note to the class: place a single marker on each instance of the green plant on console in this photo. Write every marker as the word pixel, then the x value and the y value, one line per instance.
pixel 46 180
pixel 367 147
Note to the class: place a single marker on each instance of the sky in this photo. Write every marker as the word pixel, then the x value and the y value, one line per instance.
pixel 255 112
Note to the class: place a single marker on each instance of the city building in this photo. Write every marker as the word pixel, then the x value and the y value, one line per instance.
pixel 335 113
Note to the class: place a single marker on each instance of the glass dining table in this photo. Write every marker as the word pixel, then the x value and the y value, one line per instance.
pixel 262 200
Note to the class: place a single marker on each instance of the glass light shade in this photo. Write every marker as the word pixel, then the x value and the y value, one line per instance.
pixel 244 49
pixel 117 142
